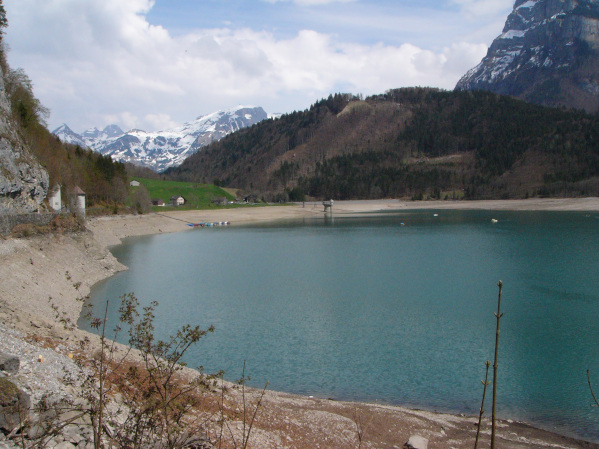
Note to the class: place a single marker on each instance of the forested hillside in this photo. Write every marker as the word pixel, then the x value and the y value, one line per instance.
pixel 412 142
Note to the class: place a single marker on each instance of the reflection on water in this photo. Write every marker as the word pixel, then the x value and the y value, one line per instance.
pixel 369 309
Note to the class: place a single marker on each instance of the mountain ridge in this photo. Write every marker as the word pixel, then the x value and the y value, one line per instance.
pixel 408 143
pixel 546 54
pixel 163 149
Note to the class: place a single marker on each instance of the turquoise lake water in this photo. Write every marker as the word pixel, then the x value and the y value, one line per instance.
pixel 369 309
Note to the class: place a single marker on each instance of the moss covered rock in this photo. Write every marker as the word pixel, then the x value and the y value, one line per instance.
pixel 14 405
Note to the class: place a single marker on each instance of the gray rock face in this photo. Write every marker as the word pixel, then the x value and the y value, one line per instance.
pixel 9 363
pixel 546 54
pixel 23 181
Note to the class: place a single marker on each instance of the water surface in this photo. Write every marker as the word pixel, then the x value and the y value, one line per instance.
pixel 396 308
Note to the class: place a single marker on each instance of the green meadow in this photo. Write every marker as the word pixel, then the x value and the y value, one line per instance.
pixel 197 196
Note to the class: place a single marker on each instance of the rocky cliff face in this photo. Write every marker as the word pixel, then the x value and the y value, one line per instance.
pixel 547 54
pixel 23 181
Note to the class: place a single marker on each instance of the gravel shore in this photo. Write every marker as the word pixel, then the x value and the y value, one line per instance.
pixel 58 270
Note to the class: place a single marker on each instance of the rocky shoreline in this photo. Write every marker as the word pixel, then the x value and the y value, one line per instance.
pixel 58 270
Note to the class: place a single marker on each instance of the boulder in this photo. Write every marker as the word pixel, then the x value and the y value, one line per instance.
pixel 9 363
pixel 416 442
pixel 65 445
pixel 14 405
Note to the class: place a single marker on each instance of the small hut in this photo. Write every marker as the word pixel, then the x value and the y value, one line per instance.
pixel 177 200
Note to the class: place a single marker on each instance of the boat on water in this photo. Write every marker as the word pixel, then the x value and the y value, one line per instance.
pixel 209 224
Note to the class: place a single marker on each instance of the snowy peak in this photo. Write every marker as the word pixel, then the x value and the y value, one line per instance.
pixel 109 132
pixel 112 131
pixel 92 133
pixel 163 149
pixel 67 135
pixel 546 54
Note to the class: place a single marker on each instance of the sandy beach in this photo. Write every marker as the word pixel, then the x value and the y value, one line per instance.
pixel 64 267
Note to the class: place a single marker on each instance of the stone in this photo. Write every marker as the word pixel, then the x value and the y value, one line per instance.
pixel 9 363
pixel 73 435
pixel 75 417
pixel 65 445
pixel 416 442
pixel 35 431
pixel 14 405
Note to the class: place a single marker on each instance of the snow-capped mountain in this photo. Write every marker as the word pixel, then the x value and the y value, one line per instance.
pixel 163 149
pixel 67 135
pixel 547 54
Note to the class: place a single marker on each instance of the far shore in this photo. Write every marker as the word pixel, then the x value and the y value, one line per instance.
pixel 110 230
pixel 65 266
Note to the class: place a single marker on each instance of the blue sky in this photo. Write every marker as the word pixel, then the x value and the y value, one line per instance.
pixel 365 22
pixel 155 64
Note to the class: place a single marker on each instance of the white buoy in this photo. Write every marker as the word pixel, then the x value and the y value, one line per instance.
pixel 493 220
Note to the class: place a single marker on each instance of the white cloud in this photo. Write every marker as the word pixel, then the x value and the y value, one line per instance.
pixel 125 119
pixel 96 62
pixel 161 121
pixel 320 2
pixel 310 2
pixel 484 7
pixel 459 52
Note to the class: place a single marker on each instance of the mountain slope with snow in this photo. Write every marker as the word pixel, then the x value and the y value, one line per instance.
pixel 548 53
pixel 163 149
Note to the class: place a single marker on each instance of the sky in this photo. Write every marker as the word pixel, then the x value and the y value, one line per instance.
pixel 155 64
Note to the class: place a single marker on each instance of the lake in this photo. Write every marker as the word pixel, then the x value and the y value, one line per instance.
pixel 394 308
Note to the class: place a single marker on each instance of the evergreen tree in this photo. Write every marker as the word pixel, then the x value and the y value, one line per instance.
pixel 3 19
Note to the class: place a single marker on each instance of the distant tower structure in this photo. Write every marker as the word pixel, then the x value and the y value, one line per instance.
pixel 79 201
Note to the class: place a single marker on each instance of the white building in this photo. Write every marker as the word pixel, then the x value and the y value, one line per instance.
pixel 79 201
pixel 177 201
pixel 55 199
